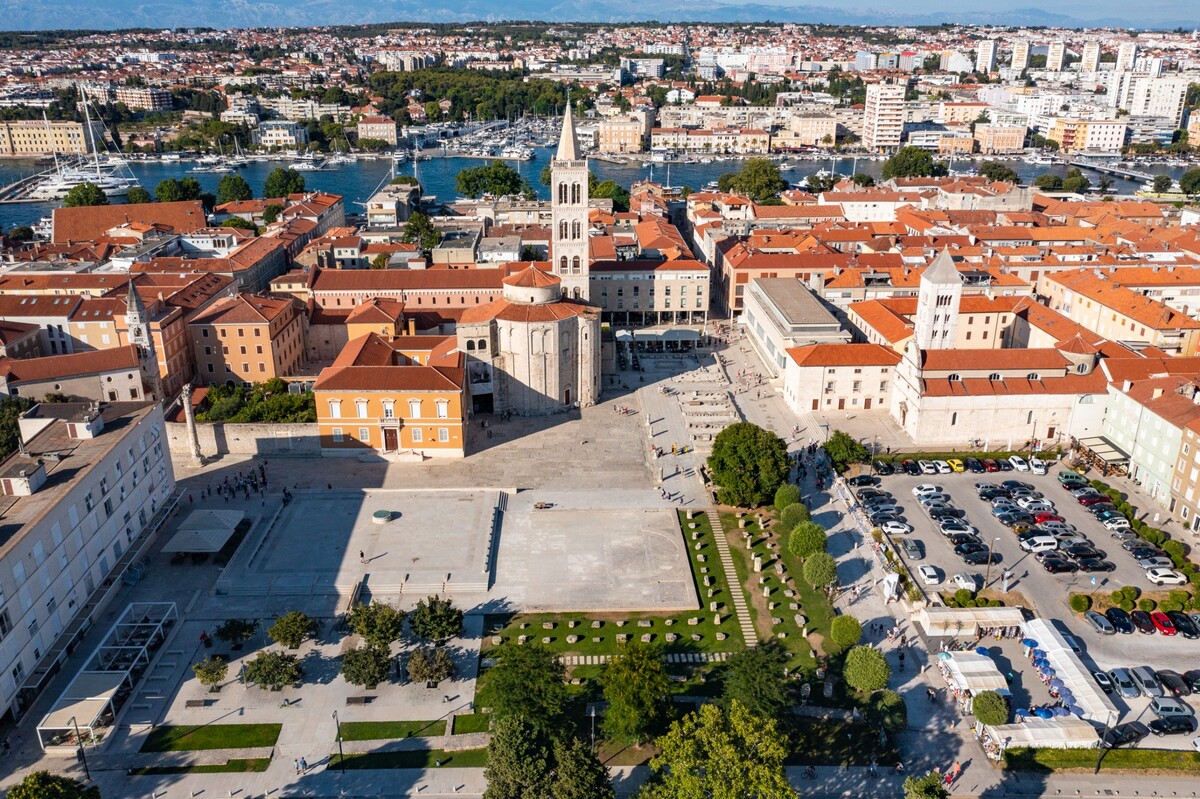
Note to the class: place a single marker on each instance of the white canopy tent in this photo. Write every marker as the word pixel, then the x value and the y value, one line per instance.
pixel 1070 669
pixel 975 673
pixel 953 622
pixel 1061 733
pixel 205 531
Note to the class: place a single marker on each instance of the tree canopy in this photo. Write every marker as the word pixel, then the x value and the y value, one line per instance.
pixel 1076 182
pixel 497 179
pixel 792 515
pixel 44 785
pixel 820 570
pixel 273 670
pixel 231 188
pixel 844 449
pixel 638 692
pixel 84 194
pixel 912 162
pixel 378 623
pixel 786 494
pixel 807 538
pixel 579 774
pixel 173 190
pixel 754 679
pixel 866 669
pixel 283 181
pixel 845 631
pixel 1189 182
pixel 419 230
pixel 748 464
pixel 927 786
pixel 366 665
pixel 435 619
pixel 720 752
pixel 758 179
pixel 292 629
pixel 997 171
pixel 138 196
pixel 527 680
pixel 519 762
pixel 263 402
pixel 990 708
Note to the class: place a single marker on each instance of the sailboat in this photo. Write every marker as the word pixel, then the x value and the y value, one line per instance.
pixel 68 175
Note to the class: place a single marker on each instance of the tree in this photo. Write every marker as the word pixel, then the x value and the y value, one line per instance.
pixel 436 620
pixel 819 184
pixel 579 774
pixel 211 671
pixel 236 632
pixel 1162 184
pixel 862 179
pixel 271 212
pixel 373 145
pixel 44 785
pixel 240 224
pixel 1080 602
pixel 990 709
pixel 519 762
pixel 748 464
pixel 171 190
pixel 273 670
pixel 755 679
pixel 1075 182
pixel 793 515
pixel 866 669
pixel 232 188
pixel 283 182
pixel 845 631
pixel 84 194
pixel 912 162
pixel 806 539
pixel 138 196
pixel 1189 182
pixel 381 261
pixel 366 665
pixel 844 449
pixel 1048 182
pixel 786 494
pixel 720 753
pixel 996 171
pixel 611 190
pixel 1104 184
pixel 430 665
pixel 758 179
pixel 820 570
pixel 378 624
pixel 419 230
pixel 638 691
pixel 527 680
pixel 291 629
pixel 929 786
pixel 886 709
pixel 497 179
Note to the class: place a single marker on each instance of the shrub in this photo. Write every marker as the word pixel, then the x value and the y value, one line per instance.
pixel 1131 592
pixel 793 515
pixel 432 665
pixel 786 494
pixel 1179 597
pixel 963 594
pixel 950 601
pixel 1175 551
pixel 866 669
pixel 1167 606
pixel 1116 596
pixel 1156 537
pixel 1125 508
pixel 1098 485
pixel 1127 605
pixel 970 603
pixel 820 570
pixel 990 709
pixel 876 534
pixel 236 632
pixel 807 539
pixel 1080 602
pixel 845 631
pixel 1147 604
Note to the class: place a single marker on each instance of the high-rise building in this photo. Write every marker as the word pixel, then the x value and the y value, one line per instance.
pixel 985 56
pixel 1153 97
pixel 569 212
pixel 883 119
pixel 938 302
pixel 1020 55
pixel 1054 56
pixel 1126 55
pixel 1090 62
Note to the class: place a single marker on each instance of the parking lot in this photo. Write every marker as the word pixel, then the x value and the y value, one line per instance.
pixel 1030 585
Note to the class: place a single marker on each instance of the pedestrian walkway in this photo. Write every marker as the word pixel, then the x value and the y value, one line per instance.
pixel 736 589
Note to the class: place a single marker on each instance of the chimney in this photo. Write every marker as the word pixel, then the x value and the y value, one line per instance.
pixel 1128 384
pixel 1158 392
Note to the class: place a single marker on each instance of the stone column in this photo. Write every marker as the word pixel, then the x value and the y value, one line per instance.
pixel 185 397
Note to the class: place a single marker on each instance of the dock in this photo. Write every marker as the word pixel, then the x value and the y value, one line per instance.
pixel 18 192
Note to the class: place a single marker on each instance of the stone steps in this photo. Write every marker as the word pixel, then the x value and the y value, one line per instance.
pixel 737 592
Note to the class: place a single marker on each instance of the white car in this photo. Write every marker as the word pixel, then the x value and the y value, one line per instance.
pixel 957 526
pixel 1056 526
pixel 1019 463
pixel 896 528
pixel 1037 466
pixel 929 575
pixel 1162 577
pixel 967 581
pixel 943 467
pixel 926 488
pixel 1116 523
pixel 927 467
pixel 1030 501
pixel 935 499
pixel 1158 562
pixel 1196 743
pixel 1039 506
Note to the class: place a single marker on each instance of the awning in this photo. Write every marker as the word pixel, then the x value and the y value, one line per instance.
pixel 1067 732
pixel 975 673
pixel 1105 450
pixel 204 531
pixel 1070 669
pixel 659 334
pixel 83 701
pixel 941 621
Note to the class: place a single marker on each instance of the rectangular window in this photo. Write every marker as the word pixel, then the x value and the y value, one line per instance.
pixel 414 409
pixel 389 409
pixel 417 435
pixel 443 434
pixel 364 435
pixel 335 409
pixel 337 435
pixel 361 407
pixel 443 409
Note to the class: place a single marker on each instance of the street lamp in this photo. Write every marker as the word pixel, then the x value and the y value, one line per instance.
pixel 341 755
pixel 593 714
pixel 987 575
pixel 87 774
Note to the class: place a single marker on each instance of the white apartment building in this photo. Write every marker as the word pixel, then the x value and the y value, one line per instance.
pixel 281 133
pixel 1145 420
pixel 1020 55
pixel 1055 54
pixel 1142 95
pixel 985 56
pixel 883 118
pixel 1090 60
pixel 1126 56
pixel 79 500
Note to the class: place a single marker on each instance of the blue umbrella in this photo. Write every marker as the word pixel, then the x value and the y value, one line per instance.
pixel 944 656
pixel 1057 684
pixel 1021 712
pixel 1076 709
pixel 982 650
pixel 1049 672
pixel 1043 713
pixel 1038 653
pixel 1065 694
pixel 1041 663
pixel 1061 711
pixel 1028 642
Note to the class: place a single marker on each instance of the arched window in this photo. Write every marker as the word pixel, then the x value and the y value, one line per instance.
pixel 562 193
pixel 1081 368
pixel 1029 418
pixel 562 265
pixel 575 229
pixel 576 195
pixel 576 293
pixel 994 376
pixel 953 378
pixel 470 345
pixel 953 419
pixel 575 265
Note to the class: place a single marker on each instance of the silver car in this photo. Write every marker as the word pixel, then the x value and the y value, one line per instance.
pixel 1167 706
pixel 1126 687
pixel 1147 681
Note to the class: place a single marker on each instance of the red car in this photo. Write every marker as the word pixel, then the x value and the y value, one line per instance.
pixel 990 465
pixel 1093 499
pixel 1162 623
pixel 1046 516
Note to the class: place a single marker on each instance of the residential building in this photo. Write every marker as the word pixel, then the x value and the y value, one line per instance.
pixel 378 128
pixel 144 98
pixel 35 137
pixel 1126 56
pixel 993 139
pixel 112 375
pixel 1089 61
pixel 838 377
pixel 247 339
pixel 883 117
pixel 985 56
pixel 622 135
pixel 1145 421
pixel 1020 55
pixel 1142 95
pixel 781 314
pixel 650 292
pixel 1185 483
pixel 1055 54
pixel 281 133
pixel 83 494
pixel 1090 135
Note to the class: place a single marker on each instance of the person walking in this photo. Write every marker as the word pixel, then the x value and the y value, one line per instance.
pixel 296 764
pixel 303 764
pixel 362 556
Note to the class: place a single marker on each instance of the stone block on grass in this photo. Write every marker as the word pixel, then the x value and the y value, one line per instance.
pixel 647 638
pixel 622 638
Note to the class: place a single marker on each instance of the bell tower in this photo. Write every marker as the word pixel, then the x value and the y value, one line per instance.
pixel 138 322
pixel 569 204
pixel 937 304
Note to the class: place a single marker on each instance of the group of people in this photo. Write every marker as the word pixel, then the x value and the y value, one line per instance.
pixel 244 483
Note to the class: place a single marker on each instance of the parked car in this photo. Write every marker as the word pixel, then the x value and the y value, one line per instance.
pixel 1056 565
pixel 1119 619
pixel 945 512
pixel 982 558
pixel 1037 466
pixel 896 528
pixel 1013 519
pixel 1116 523
pixel 883 516
pixel 956 539
pixel 1068 538
pixel 956 464
pixel 995 492
pixel 1066 478
pixel 911 548
pixel 1019 463
pixel 910 467
pixel 1147 681
pixel 1162 623
pixel 1092 499
pixel 1173 725
pixel 1100 623
pixel 927 467
pixel 1094 565
pixel 1164 706
pixel 990 465
pixel 1174 683
pixel 926 488
pixel 1192 678
pixel 1155 563
pixel 1141 620
pixel 952 525
pixel 1102 680
pixel 1084 551
pixel 1184 624
pixel 867 493
pixel 1043 516
pixel 935 499
pixel 883 468
pixel 1124 534
pixel 1004 464
pixel 1053 525
pixel 1127 734
pixel 1016 485
pixel 971 582
pixel 1101 507
pixel 862 480
pixel 1038 505
pixel 929 574
pixel 974 465
pixel 1126 687
pixel 942 467
pixel 1104 516
pixel 1162 577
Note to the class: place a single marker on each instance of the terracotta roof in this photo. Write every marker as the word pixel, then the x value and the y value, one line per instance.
pixel 368 350
pixel 14 331
pixel 390 378
pixel 375 280
pixel 73 365
pixel 843 355
pixel 507 311
pixel 20 306
pixel 375 310
pixel 531 278
pixel 963 360
pixel 1093 383
pixel 1143 310
pixel 89 223
pixel 244 309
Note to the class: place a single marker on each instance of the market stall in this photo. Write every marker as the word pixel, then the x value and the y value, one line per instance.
pixel 1060 733
pixel 939 622
pixel 967 674
pixel 1087 701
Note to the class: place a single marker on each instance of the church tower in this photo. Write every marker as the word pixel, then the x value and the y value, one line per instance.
pixel 569 184
pixel 937 304
pixel 138 322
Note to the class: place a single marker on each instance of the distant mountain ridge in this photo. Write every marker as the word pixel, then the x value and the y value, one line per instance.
pixel 299 13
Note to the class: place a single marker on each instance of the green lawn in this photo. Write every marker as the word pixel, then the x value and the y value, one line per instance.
pixel 413 758
pixel 211 736
pixel 471 722
pixel 228 767
pixel 391 730
pixel 1048 760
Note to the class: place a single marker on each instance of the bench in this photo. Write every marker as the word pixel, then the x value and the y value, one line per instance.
pixel 196 703
pixel 359 700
